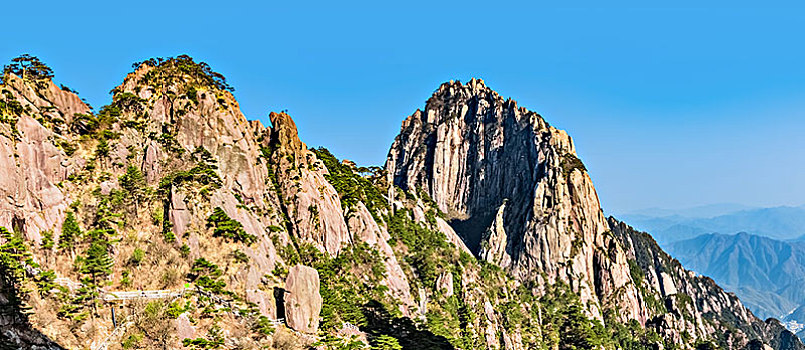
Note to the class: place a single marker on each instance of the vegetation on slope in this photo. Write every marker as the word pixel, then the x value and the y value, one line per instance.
pixel 351 186
pixel 110 240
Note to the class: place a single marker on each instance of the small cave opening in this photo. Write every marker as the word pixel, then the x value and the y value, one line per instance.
pixel 18 224
pixel 279 298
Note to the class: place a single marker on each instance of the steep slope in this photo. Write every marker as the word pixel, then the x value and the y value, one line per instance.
pixel 167 185
pixel 699 301
pixel 166 219
pixel 512 187
pixel 768 275
pixel 246 238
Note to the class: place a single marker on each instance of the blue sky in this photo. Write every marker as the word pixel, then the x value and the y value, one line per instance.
pixel 669 107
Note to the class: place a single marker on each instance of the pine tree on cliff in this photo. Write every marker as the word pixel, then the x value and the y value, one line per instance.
pixel 96 265
pixel 97 262
pixel 13 257
pixel 29 68
pixel 69 232
pixel 133 181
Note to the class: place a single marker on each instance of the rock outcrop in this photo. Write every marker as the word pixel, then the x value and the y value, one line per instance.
pixel 483 231
pixel 302 299
pixel 691 303
pixel 514 189
pixel 184 189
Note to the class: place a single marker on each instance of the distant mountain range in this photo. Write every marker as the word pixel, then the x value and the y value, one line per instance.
pixel 782 223
pixel 768 275
pixel 700 211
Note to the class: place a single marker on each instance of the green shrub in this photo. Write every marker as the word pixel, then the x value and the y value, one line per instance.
pixel 352 187
pixel 203 174
pixel 125 279
pixel 385 342
pixel 176 308
pixel 47 240
pixel 45 282
pixel 226 227
pixel 569 163
pixel 137 256
pixel 214 340
pixel 183 68
pixel 132 341
pixel 263 326
pixel 70 231
pixel 184 250
pixel 240 256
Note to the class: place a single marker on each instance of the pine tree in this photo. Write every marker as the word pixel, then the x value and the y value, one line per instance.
pixel 102 150
pixel 13 257
pixel 47 240
pixel 97 263
pixel 70 231
pixel 133 182
pixel 106 220
pixel 385 342
pixel 29 68
pixel 47 244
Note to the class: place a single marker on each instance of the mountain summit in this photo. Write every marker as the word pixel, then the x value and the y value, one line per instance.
pixel 166 219
pixel 513 188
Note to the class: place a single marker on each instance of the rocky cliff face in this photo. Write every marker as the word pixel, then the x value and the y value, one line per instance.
pixel 174 180
pixel 691 304
pixel 170 186
pixel 515 191
pixel 482 231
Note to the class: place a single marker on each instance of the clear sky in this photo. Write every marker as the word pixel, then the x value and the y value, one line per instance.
pixel 669 107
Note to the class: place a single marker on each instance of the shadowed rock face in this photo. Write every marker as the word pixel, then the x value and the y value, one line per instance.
pixel 455 150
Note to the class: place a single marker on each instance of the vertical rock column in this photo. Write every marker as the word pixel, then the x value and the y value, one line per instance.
pixel 302 299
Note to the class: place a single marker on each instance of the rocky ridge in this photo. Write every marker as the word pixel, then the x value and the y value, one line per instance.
pixel 514 189
pixel 482 231
pixel 170 185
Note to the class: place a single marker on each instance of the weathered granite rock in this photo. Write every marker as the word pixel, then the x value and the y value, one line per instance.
pixel 31 167
pixel 511 186
pixel 302 299
pixel 184 328
pixel 312 203
pixel 517 195
pixel 444 283
pixel 692 299
pixel 513 189
pixel 365 229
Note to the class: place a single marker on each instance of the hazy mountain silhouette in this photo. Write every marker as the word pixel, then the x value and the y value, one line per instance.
pixel 782 223
pixel 768 275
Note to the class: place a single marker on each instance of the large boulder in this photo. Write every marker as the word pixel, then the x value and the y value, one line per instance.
pixel 302 299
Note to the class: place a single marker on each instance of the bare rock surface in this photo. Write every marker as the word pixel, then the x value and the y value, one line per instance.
pixel 302 299
pixel 515 192
pixel 473 173
pixel 472 151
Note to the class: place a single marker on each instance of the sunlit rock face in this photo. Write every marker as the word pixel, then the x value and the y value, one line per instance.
pixel 482 178
pixel 514 190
